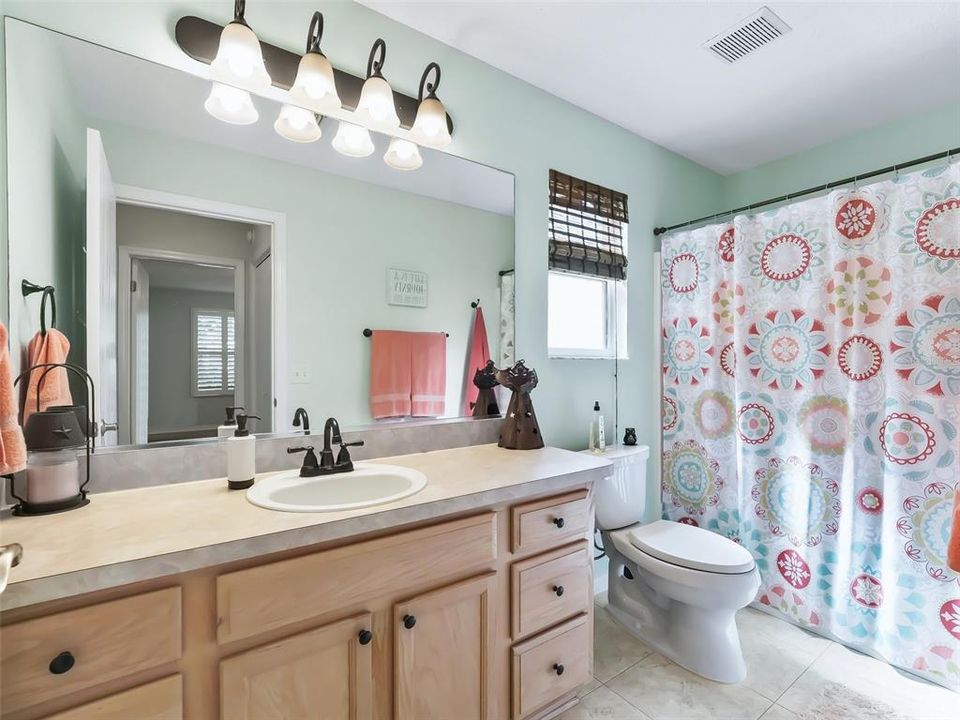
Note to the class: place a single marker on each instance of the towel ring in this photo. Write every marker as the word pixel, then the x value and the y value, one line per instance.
pixel 48 292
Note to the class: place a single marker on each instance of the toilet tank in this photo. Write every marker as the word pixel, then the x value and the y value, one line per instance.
pixel 621 498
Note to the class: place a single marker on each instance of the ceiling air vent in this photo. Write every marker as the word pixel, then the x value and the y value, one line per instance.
pixel 748 35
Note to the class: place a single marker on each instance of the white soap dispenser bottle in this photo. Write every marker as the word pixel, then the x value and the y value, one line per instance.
pixel 598 440
pixel 241 455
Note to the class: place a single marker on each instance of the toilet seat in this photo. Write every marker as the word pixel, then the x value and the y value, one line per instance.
pixel 691 547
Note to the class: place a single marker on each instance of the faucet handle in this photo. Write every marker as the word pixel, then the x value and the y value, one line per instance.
pixel 343 457
pixel 310 467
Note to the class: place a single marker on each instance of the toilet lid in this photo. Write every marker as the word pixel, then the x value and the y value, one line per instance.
pixel 691 547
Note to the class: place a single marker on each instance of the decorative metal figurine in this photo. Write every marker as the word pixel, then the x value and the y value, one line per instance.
pixel 630 436
pixel 520 430
pixel 485 379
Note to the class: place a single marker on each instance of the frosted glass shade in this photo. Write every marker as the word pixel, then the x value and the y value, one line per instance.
pixel 352 140
pixel 376 109
pixel 239 60
pixel 430 126
pixel 403 155
pixel 314 86
pixel 230 104
pixel 297 125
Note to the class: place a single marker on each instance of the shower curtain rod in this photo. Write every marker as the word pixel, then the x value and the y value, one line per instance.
pixel 819 188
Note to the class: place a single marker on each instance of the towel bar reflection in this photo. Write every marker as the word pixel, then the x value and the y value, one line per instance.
pixel 367 332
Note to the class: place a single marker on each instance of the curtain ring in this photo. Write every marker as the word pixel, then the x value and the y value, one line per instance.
pixel 896 174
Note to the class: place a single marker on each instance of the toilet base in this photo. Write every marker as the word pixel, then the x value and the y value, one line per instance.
pixel 703 640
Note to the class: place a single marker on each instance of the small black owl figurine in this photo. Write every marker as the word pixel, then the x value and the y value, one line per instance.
pixel 485 379
pixel 520 430
pixel 630 436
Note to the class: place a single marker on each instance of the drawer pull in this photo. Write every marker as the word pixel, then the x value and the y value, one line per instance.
pixel 558 669
pixel 558 522
pixel 409 621
pixel 558 589
pixel 365 637
pixel 62 663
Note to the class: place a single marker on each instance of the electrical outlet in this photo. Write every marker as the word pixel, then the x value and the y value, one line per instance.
pixel 300 376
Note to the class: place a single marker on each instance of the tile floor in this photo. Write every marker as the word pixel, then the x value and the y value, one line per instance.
pixel 791 675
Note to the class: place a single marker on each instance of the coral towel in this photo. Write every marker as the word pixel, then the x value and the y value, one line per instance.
pixel 13 451
pixel 53 347
pixel 408 374
pixel 476 360
pixel 953 548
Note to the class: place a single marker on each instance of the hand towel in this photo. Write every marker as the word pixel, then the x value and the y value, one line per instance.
pixel 479 354
pixel 13 451
pixel 429 381
pixel 53 347
pixel 390 374
pixel 953 545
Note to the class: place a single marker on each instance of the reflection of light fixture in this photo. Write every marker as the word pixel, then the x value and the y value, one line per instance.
pixel 376 108
pixel 315 87
pixel 296 124
pixel 430 127
pixel 352 140
pixel 403 155
pixel 231 105
pixel 239 60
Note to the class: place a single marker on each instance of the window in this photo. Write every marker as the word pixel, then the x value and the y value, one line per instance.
pixel 214 352
pixel 586 289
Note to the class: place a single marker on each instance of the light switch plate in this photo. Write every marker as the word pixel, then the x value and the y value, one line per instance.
pixel 300 376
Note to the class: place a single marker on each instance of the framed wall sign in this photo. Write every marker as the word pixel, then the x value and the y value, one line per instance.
pixel 406 287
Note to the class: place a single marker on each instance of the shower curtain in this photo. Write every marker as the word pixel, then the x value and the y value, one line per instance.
pixel 811 407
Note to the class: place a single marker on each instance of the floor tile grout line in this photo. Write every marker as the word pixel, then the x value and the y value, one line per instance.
pixel 803 672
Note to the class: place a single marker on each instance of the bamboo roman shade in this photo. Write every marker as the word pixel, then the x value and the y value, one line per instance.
pixel 587 227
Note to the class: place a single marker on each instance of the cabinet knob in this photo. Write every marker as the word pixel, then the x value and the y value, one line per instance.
pixel 62 663
pixel 365 637
pixel 558 589
pixel 558 522
pixel 409 621
pixel 558 669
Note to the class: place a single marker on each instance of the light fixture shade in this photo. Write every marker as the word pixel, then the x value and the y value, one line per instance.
pixel 239 60
pixel 430 126
pixel 297 125
pixel 352 140
pixel 314 86
pixel 376 108
pixel 230 104
pixel 403 155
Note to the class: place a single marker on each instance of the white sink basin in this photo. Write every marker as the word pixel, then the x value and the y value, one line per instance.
pixel 369 484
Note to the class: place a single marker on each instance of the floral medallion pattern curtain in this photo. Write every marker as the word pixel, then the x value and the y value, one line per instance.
pixel 811 407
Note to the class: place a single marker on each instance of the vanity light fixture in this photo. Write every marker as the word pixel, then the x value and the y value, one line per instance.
pixel 297 124
pixel 430 127
pixel 403 155
pixel 239 59
pixel 352 140
pixel 314 86
pixel 376 108
pixel 230 104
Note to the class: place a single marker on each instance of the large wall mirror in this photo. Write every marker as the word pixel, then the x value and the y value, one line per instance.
pixel 199 265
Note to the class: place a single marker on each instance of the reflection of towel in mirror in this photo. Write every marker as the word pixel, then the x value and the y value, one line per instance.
pixel 476 360
pixel 408 374
pixel 13 451
pixel 50 348
pixel 953 547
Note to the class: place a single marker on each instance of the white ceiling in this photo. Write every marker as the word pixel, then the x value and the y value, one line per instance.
pixel 844 67
pixel 188 276
pixel 111 85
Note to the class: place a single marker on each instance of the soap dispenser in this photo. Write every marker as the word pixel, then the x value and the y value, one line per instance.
pixel 229 425
pixel 241 455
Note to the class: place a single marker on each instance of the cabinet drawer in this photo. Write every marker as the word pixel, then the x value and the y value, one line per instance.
pixel 160 700
pixel 270 596
pixel 548 666
pixel 544 524
pixel 549 588
pixel 104 642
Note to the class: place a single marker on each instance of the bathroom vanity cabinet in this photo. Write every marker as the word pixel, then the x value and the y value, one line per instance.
pixel 480 616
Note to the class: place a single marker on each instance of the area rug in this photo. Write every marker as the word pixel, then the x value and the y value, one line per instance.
pixel 838 702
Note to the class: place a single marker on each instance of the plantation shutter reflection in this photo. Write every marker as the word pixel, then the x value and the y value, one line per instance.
pixel 586 228
pixel 215 348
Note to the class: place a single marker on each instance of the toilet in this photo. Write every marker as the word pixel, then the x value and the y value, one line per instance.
pixel 674 586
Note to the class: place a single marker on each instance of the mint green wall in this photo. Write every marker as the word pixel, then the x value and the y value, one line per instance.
pixel 500 121
pixel 903 140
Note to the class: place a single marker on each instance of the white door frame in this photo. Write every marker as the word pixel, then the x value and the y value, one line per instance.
pixel 146 197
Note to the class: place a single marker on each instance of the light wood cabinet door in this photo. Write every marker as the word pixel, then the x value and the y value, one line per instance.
pixel 160 700
pixel 442 653
pixel 322 674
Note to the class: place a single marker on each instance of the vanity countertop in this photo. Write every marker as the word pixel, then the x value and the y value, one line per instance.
pixel 133 535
